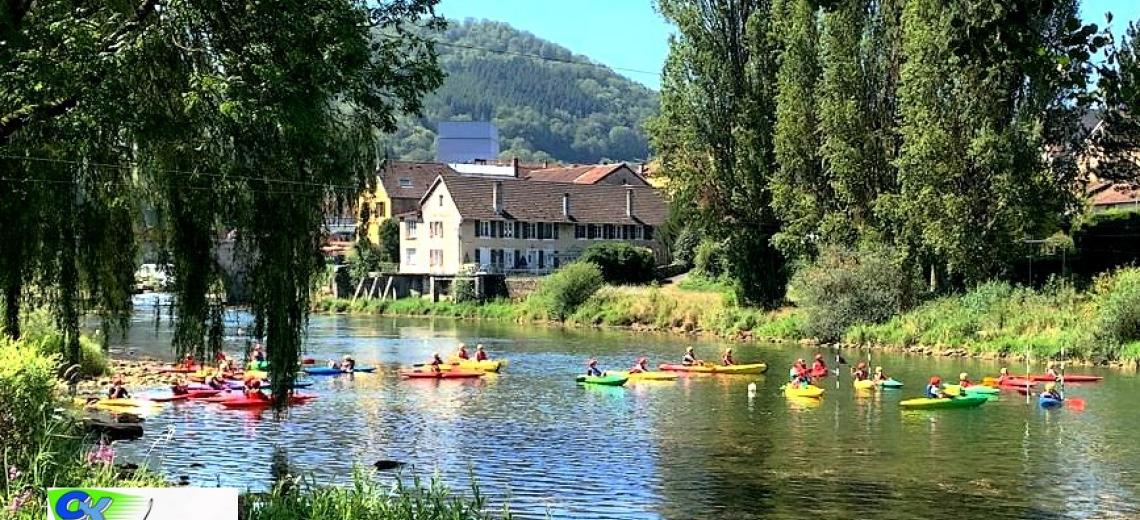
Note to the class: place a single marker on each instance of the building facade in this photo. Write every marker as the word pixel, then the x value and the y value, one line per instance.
pixel 514 226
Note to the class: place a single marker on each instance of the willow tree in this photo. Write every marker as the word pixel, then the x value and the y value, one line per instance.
pixel 224 117
pixel 714 132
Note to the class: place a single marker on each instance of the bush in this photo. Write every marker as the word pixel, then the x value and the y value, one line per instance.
pixel 464 290
pixel 621 263
pixel 561 293
pixel 710 260
pixel 843 288
pixel 685 247
pixel 1117 298
pixel 27 396
pixel 93 360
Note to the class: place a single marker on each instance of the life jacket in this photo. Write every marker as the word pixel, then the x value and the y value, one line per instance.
pixel 932 391
pixel 463 354
pixel 688 359
pixel 727 360
pixel 480 355
pixel 860 375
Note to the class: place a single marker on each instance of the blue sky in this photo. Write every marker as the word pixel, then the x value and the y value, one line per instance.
pixel 629 34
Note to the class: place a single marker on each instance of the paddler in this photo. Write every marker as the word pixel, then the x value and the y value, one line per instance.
pixel 1051 392
pixel 462 353
pixel 592 367
pixel 1003 376
pixel 934 389
pixel 726 358
pixel 348 364
pixel 642 365
pixel 799 368
pixel 253 388
pixel 1051 371
pixel 217 381
pixel 818 367
pixel 860 372
pixel 258 353
pixel 964 380
pixel 480 354
pixel 117 390
pixel 880 376
pixel 188 362
pixel 179 387
pixel 690 357
pixel 436 362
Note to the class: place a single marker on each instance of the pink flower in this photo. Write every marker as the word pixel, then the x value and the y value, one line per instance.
pixel 19 500
pixel 103 454
pixel 13 473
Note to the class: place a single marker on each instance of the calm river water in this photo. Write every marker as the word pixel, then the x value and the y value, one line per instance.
pixel 693 448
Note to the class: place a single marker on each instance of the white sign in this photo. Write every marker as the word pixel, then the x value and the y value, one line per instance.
pixel 180 503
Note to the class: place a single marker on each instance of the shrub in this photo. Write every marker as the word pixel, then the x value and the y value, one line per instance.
pixel 93 360
pixel 1117 298
pixel 27 396
pixel 561 293
pixel 464 290
pixel 845 288
pixel 685 247
pixel 621 263
pixel 710 260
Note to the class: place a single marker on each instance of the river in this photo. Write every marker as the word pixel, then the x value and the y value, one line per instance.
pixel 695 448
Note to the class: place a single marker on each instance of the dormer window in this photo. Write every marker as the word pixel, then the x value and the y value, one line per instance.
pixel 405 182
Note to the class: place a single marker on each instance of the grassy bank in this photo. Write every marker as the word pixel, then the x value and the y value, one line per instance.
pixel 1098 324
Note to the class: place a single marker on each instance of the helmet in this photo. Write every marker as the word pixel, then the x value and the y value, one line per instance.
pixel 462 345
pixel 729 349
pixel 642 359
pixel 800 360
pixel 1004 371
pixel 862 364
pixel 819 357
pixel 690 349
pixel 936 380
pixel 479 347
pixel 963 376
pixel 1051 364
pixel 591 361
pixel 1049 387
pixel 878 369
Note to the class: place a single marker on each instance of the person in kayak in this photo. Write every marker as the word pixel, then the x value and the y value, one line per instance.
pixel 348 364
pixel 217 381
pixel 1003 376
pixel 880 376
pixel 1051 371
pixel 964 380
pixel 1051 392
pixel 179 387
pixel 860 372
pixel 726 358
pixel 117 390
pixel 642 365
pixel 799 368
pixel 188 362
pixel 818 367
pixel 690 357
pixel 592 368
pixel 462 352
pixel 253 389
pixel 258 353
pixel 436 363
pixel 480 354
pixel 934 389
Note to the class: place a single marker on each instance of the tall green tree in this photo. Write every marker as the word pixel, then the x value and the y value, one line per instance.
pixel 714 133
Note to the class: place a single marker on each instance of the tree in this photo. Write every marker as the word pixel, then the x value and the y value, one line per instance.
pixel 1114 143
pixel 227 117
pixel 390 241
pixel 714 133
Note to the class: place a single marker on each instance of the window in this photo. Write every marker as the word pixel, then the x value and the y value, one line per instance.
pixel 498 228
pixel 555 228
pixel 378 210
pixel 509 231
pixel 609 232
pixel 545 230
pixel 441 201
pixel 410 256
pixel 405 182
pixel 478 256
pixel 648 232
pixel 627 232
pixel 509 258
pixel 411 230
pixel 580 231
pixel 550 261
pixel 478 231
pixel 594 232
pixel 435 230
pixel 436 257
pixel 637 233
pixel 526 230
pixel 485 230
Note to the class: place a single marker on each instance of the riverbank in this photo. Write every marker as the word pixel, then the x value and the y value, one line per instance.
pixel 994 321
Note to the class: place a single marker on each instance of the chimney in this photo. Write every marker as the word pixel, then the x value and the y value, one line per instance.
pixel 566 205
pixel 629 202
pixel 515 165
pixel 497 196
pixel 641 169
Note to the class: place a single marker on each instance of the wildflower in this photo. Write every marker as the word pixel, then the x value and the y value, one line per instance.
pixel 13 473
pixel 103 454
pixel 19 500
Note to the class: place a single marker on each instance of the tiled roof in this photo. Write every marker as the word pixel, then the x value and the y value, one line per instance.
pixel 409 180
pixel 542 201
pixel 589 174
pixel 1107 195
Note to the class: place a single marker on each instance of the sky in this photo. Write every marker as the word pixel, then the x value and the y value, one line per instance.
pixel 629 35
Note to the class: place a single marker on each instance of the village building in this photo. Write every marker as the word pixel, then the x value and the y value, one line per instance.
pixel 480 224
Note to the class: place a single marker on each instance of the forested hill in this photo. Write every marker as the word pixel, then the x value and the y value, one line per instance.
pixel 544 109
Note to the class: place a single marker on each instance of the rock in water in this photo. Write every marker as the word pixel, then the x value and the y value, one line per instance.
pixel 382 465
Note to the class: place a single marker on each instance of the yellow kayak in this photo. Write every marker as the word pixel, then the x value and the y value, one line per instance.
pixel 755 368
pixel 803 391
pixel 259 374
pixel 649 376
pixel 487 365
pixel 864 385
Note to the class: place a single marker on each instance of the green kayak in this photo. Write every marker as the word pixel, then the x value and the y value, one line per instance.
pixel 925 403
pixel 955 390
pixel 608 380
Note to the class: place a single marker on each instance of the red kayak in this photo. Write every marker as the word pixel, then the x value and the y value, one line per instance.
pixel 264 403
pixel 1017 383
pixel 221 398
pixel 192 394
pixel 446 374
pixel 1069 378
pixel 168 398
pixel 180 369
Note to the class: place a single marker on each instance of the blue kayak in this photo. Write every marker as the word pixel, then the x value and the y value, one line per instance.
pixel 326 371
pixel 1049 402
pixel 891 383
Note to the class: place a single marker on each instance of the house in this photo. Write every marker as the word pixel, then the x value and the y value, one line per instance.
pixel 614 174
pixel 399 187
pixel 485 224
pixel 1106 196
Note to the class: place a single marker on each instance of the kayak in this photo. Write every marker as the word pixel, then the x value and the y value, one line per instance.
pixel 264 403
pixel 326 371
pixel 454 360
pixel 179 369
pixel 221 398
pixel 257 365
pixel 1069 378
pixel 445 374
pixel 803 391
pixel 1049 402
pixel 755 368
pixel 926 403
pixel 486 365
pixel 864 385
pixel 891 383
pixel 956 390
pixel 125 403
pixel 169 398
pixel 607 380
pixel 259 374
pixel 648 376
